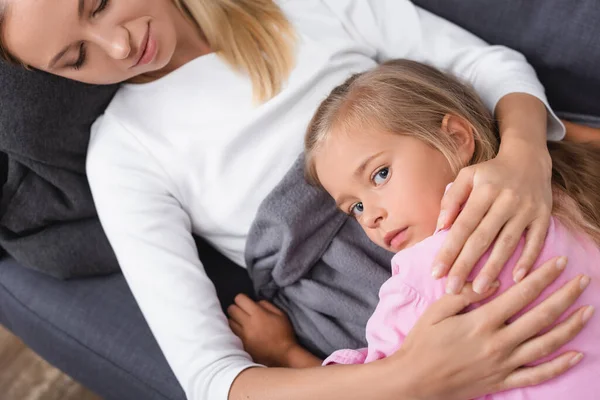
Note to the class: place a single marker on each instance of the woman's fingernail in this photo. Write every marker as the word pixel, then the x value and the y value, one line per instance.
pixel 587 314
pixel 453 285
pixel 441 220
pixel 437 271
pixel 578 357
pixel 519 275
pixel 561 263
pixel 481 284
pixel 584 282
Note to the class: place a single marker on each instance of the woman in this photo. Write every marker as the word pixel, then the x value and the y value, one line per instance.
pixel 218 94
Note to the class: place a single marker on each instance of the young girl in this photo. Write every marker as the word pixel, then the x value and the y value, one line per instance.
pixel 386 145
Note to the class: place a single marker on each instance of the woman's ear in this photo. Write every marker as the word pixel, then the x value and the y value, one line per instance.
pixel 461 131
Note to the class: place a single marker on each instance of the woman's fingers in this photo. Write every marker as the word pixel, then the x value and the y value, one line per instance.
pixel 541 346
pixel 455 197
pixel 530 376
pixel 478 243
pixel 450 305
pixel 523 293
pixel 534 241
pixel 467 222
pixel 547 312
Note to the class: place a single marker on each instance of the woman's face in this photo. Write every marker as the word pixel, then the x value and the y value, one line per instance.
pixel 93 41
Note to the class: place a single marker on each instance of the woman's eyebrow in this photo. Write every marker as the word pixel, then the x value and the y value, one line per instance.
pixel 52 63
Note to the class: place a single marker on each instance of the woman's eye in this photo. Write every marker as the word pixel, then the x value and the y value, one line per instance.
pixel 381 176
pixel 101 7
pixel 77 65
pixel 356 209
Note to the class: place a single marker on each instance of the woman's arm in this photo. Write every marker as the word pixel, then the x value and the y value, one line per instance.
pixel 447 355
pixel 501 189
pixel 501 198
pixel 151 236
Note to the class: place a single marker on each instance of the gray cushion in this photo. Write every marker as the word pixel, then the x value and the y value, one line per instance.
pixel 92 329
pixel 560 38
pixel 47 217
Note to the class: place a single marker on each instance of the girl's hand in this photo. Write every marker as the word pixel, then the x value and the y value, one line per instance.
pixel 502 198
pixel 472 354
pixel 264 329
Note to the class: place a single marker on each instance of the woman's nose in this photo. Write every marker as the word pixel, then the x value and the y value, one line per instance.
pixel 116 41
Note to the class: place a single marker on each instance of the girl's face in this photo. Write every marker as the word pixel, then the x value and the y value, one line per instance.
pixel 93 41
pixel 392 184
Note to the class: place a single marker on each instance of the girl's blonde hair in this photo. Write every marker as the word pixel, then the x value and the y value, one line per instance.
pixel 253 36
pixel 410 98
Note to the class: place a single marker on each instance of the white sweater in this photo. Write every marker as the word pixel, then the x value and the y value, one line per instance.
pixel 191 153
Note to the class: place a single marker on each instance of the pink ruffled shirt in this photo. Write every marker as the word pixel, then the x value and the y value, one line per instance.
pixel 411 290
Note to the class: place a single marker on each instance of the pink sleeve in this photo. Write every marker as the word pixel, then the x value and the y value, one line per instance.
pixel 398 310
pixel 346 356
pixel 402 300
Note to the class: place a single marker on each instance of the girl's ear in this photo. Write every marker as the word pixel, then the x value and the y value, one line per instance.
pixel 461 131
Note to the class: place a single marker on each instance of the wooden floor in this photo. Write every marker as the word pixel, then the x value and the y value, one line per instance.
pixel 25 376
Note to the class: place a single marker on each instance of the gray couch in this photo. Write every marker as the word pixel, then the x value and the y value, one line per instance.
pixel 93 330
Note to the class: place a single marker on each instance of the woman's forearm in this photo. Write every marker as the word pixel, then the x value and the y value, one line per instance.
pixel 524 117
pixel 344 382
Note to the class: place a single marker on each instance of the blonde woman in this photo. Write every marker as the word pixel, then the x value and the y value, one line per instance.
pixel 216 97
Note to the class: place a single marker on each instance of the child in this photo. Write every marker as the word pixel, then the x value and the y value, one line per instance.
pixel 386 144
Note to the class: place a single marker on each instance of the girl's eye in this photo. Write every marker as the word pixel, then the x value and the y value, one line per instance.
pixel 356 209
pixel 381 176
pixel 101 7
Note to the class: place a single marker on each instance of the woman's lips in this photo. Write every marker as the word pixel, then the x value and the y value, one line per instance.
pixel 395 238
pixel 148 50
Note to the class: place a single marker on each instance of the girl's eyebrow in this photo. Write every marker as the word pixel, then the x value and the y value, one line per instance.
pixel 361 168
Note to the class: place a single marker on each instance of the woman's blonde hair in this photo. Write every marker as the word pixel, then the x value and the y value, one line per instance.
pixel 253 36
pixel 410 98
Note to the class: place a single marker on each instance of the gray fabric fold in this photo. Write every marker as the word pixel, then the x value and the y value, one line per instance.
pixel 316 264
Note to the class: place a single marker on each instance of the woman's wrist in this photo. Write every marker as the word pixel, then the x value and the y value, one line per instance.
pixel 522 117
pixel 404 382
pixel 521 150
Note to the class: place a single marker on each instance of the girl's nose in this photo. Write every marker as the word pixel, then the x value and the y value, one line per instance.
pixel 374 217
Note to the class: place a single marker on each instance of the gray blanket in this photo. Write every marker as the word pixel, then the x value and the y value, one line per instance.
pixel 315 263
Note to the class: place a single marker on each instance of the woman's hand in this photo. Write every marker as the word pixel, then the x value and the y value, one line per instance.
pixel 472 354
pixel 502 198
pixel 267 334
